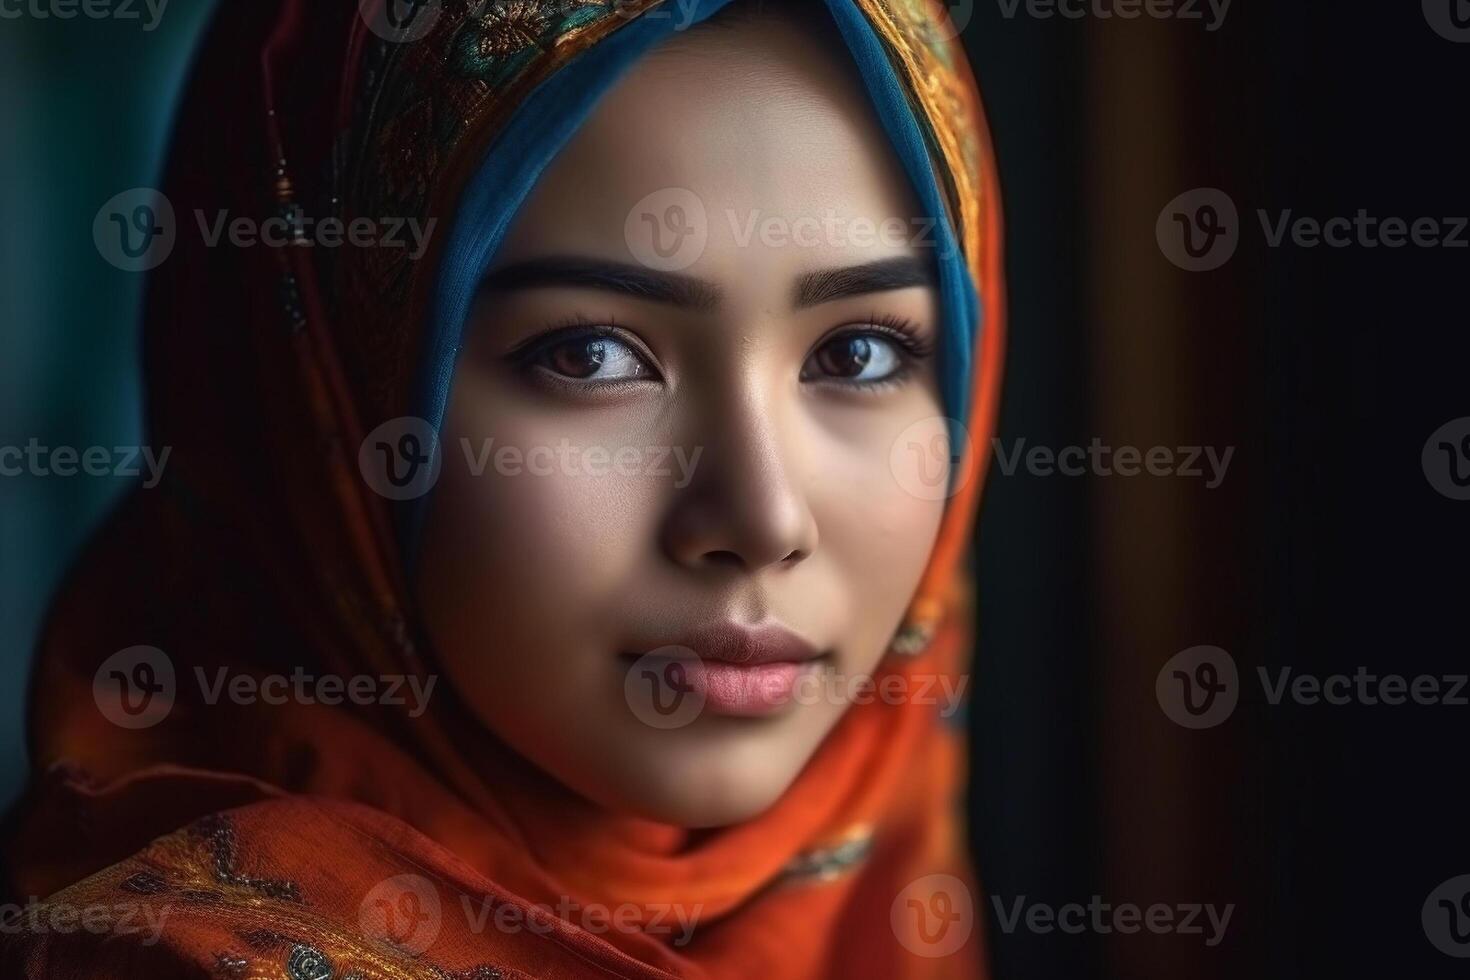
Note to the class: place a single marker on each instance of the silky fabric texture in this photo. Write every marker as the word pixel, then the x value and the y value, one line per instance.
pixel 276 840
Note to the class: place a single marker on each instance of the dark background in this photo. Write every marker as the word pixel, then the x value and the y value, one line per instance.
pixel 1326 548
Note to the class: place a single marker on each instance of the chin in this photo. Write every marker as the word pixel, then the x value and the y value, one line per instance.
pixel 711 783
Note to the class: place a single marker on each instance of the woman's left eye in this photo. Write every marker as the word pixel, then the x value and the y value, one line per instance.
pixel 593 357
pixel 856 357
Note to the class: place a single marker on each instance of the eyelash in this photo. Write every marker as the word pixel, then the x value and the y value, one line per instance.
pixel 904 333
pixel 914 348
pixel 579 327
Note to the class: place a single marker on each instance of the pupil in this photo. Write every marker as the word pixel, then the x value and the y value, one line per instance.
pixel 848 357
pixel 580 359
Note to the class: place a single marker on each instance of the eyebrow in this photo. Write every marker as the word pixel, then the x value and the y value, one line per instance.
pixel 689 292
pixel 619 277
pixel 900 272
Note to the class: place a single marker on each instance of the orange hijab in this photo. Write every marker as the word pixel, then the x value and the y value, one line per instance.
pixel 331 841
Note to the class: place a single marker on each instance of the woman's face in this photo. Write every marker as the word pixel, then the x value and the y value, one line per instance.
pixel 677 469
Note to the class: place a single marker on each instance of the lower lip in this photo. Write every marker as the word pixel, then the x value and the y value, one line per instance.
pixel 748 690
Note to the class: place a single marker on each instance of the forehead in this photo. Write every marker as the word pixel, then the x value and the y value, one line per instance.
pixel 764 124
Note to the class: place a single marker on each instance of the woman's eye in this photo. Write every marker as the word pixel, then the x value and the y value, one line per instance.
pixel 861 357
pixel 594 358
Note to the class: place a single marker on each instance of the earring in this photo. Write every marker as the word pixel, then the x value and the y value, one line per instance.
pixel 911 639
pixel 920 625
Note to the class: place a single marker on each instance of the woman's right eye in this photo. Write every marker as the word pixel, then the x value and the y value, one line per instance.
pixel 593 357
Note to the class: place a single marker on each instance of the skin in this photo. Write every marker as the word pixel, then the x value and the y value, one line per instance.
pixel 538 589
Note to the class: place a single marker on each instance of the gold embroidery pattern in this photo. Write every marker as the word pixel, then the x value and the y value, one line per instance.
pixel 195 876
pixel 512 25
pixel 420 104
pixel 417 106
pixel 917 36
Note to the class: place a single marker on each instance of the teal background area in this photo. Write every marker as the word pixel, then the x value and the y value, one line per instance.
pixel 85 110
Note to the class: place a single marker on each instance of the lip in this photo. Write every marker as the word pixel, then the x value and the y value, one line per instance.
pixel 767 642
pixel 742 670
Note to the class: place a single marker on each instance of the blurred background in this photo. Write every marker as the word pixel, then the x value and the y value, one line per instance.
pixel 1328 548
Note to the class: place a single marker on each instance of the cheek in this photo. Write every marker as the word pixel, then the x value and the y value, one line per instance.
pixel 533 529
pixel 880 517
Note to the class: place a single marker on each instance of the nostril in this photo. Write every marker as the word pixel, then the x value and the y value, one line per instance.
pixel 724 558
pixel 733 559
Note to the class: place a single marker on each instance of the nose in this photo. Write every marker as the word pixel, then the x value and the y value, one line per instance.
pixel 745 507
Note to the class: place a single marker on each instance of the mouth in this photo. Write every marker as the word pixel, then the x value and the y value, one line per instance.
pixel 739 670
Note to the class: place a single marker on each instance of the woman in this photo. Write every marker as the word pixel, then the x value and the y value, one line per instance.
pixel 578 597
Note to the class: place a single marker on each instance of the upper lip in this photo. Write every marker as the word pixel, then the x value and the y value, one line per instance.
pixel 766 642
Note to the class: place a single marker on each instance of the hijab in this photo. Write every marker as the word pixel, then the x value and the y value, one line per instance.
pixel 315 840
